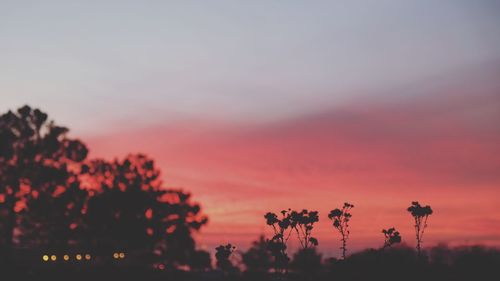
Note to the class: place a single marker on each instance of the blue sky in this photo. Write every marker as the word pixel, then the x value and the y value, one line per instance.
pixel 106 62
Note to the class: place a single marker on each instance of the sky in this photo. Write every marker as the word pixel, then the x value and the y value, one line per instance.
pixel 263 105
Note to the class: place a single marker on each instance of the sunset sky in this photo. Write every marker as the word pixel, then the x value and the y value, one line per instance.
pixel 263 105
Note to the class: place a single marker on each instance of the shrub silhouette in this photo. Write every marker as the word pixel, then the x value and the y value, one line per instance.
pixel 307 261
pixel 200 261
pixel 258 257
pixel 420 214
pixel 223 254
pixel 340 219
pixel 391 237
pixel 475 262
pixel 396 263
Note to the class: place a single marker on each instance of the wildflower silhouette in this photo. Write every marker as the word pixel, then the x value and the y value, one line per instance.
pixel 340 219
pixel 278 244
pixel 391 237
pixel 420 215
pixel 303 223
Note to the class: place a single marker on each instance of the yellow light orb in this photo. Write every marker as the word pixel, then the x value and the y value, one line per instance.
pixel 66 257
pixel 45 257
pixel 53 258
pixel 79 257
pixel 122 255
pixel 87 257
pixel 116 255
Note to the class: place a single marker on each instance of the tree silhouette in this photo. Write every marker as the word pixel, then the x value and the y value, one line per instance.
pixel 391 237
pixel 36 160
pixel 54 221
pixel 420 214
pixel 223 254
pixel 116 214
pixel 132 211
pixel 307 261
pixel 258 258
pixel 278 244
pixel 51 199
pixel 175 219
pixel 303 223
pixel 200 261
pixel 340 219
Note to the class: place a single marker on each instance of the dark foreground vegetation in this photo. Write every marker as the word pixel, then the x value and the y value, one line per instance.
pixel 54 200
pixel 399 263
pixel 66 217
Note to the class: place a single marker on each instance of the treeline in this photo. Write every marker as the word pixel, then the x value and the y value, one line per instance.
pixel 54 199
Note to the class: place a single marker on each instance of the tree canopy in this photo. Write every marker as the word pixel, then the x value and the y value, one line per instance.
pixel 53 197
